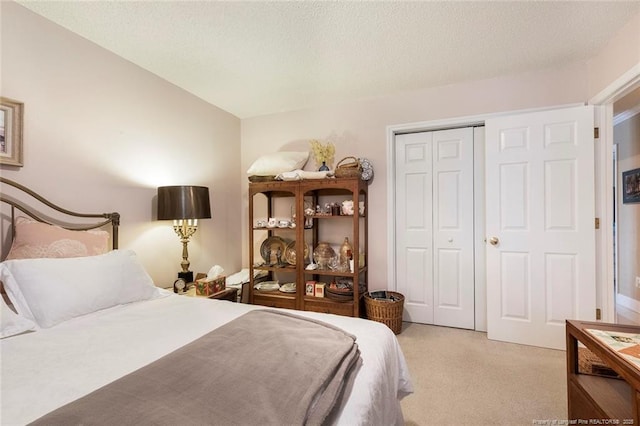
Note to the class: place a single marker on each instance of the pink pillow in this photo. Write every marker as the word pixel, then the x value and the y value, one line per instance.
pixel 34 239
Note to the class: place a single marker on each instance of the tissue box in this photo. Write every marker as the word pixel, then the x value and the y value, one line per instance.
pixel 209 286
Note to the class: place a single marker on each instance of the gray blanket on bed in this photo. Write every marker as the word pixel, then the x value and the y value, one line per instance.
pixel 263 368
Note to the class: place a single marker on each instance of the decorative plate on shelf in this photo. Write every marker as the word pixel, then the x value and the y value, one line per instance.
pixel 288 288
pixel 272 250
pixel 290 252
pixel 367 169
pixel 267 286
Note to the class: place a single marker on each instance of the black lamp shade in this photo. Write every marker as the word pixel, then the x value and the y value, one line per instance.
pixel 183 202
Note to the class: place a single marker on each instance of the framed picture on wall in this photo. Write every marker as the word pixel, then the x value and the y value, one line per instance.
pixel 11 132
pixel 631 186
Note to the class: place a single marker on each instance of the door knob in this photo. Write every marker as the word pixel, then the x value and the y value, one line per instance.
pixel 494 241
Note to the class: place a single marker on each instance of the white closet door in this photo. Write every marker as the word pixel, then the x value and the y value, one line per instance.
pixel 453 262
pixel 540 225
pixel 414 236
pixel 434 226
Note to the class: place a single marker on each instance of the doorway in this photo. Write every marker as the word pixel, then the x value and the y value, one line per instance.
pixel 605 176
pixel 626 151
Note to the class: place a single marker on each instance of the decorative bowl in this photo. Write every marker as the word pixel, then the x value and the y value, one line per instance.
pixel 323 254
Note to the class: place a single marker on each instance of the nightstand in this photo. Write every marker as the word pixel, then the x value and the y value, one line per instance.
pixel 230 294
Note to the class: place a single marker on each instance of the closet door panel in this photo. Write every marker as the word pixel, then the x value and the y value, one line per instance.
pixel 454 299
pixel 414 234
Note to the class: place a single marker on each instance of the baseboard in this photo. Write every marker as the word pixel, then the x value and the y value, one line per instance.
pixel 628 307
pixel 628 302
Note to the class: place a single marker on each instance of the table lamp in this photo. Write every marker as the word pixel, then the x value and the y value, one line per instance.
pixel 184 205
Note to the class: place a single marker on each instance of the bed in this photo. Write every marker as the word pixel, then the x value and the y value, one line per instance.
pixel 74 353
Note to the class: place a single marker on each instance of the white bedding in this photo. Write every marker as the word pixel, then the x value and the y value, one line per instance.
pixel 48 368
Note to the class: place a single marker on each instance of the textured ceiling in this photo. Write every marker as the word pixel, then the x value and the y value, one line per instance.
pixel 255 58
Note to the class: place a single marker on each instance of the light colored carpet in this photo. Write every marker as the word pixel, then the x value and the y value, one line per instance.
pixel 462 378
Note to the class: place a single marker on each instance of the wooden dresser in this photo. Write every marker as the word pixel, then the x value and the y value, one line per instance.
pixel 597 398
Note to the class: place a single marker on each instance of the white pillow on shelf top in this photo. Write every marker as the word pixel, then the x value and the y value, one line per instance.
pixel 279 162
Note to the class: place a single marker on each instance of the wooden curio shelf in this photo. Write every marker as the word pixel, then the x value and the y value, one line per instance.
pixel 314 192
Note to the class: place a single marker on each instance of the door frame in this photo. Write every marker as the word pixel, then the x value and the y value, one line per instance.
pixel 603 102
pixel 479 263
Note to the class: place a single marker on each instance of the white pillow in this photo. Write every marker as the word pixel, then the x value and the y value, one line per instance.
pixel 49 291
pixel 12 323
pixel 280 162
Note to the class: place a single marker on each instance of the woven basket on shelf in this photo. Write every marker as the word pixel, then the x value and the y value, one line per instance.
pixel 348 167
pixel 389 313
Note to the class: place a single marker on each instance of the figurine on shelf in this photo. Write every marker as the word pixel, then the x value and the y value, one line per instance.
pixel 279 262
pixel 308 218
pixel 347 207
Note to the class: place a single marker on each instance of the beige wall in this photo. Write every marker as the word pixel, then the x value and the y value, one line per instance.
pixel 100 134
pixel 360 128
pixel 627 137
pixel 618 56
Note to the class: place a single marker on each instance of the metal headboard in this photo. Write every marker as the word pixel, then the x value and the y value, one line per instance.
pixel 112 219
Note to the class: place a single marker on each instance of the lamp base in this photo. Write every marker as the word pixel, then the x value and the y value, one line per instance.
pixel 187 276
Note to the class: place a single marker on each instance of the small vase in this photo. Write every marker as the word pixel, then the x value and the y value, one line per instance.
pixel 346 253
pixel 324 167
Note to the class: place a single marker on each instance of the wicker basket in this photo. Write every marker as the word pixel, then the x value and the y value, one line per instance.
pixel 388 313
pixel 348 167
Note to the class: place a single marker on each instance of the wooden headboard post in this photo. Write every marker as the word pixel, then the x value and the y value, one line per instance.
pixel 112 219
